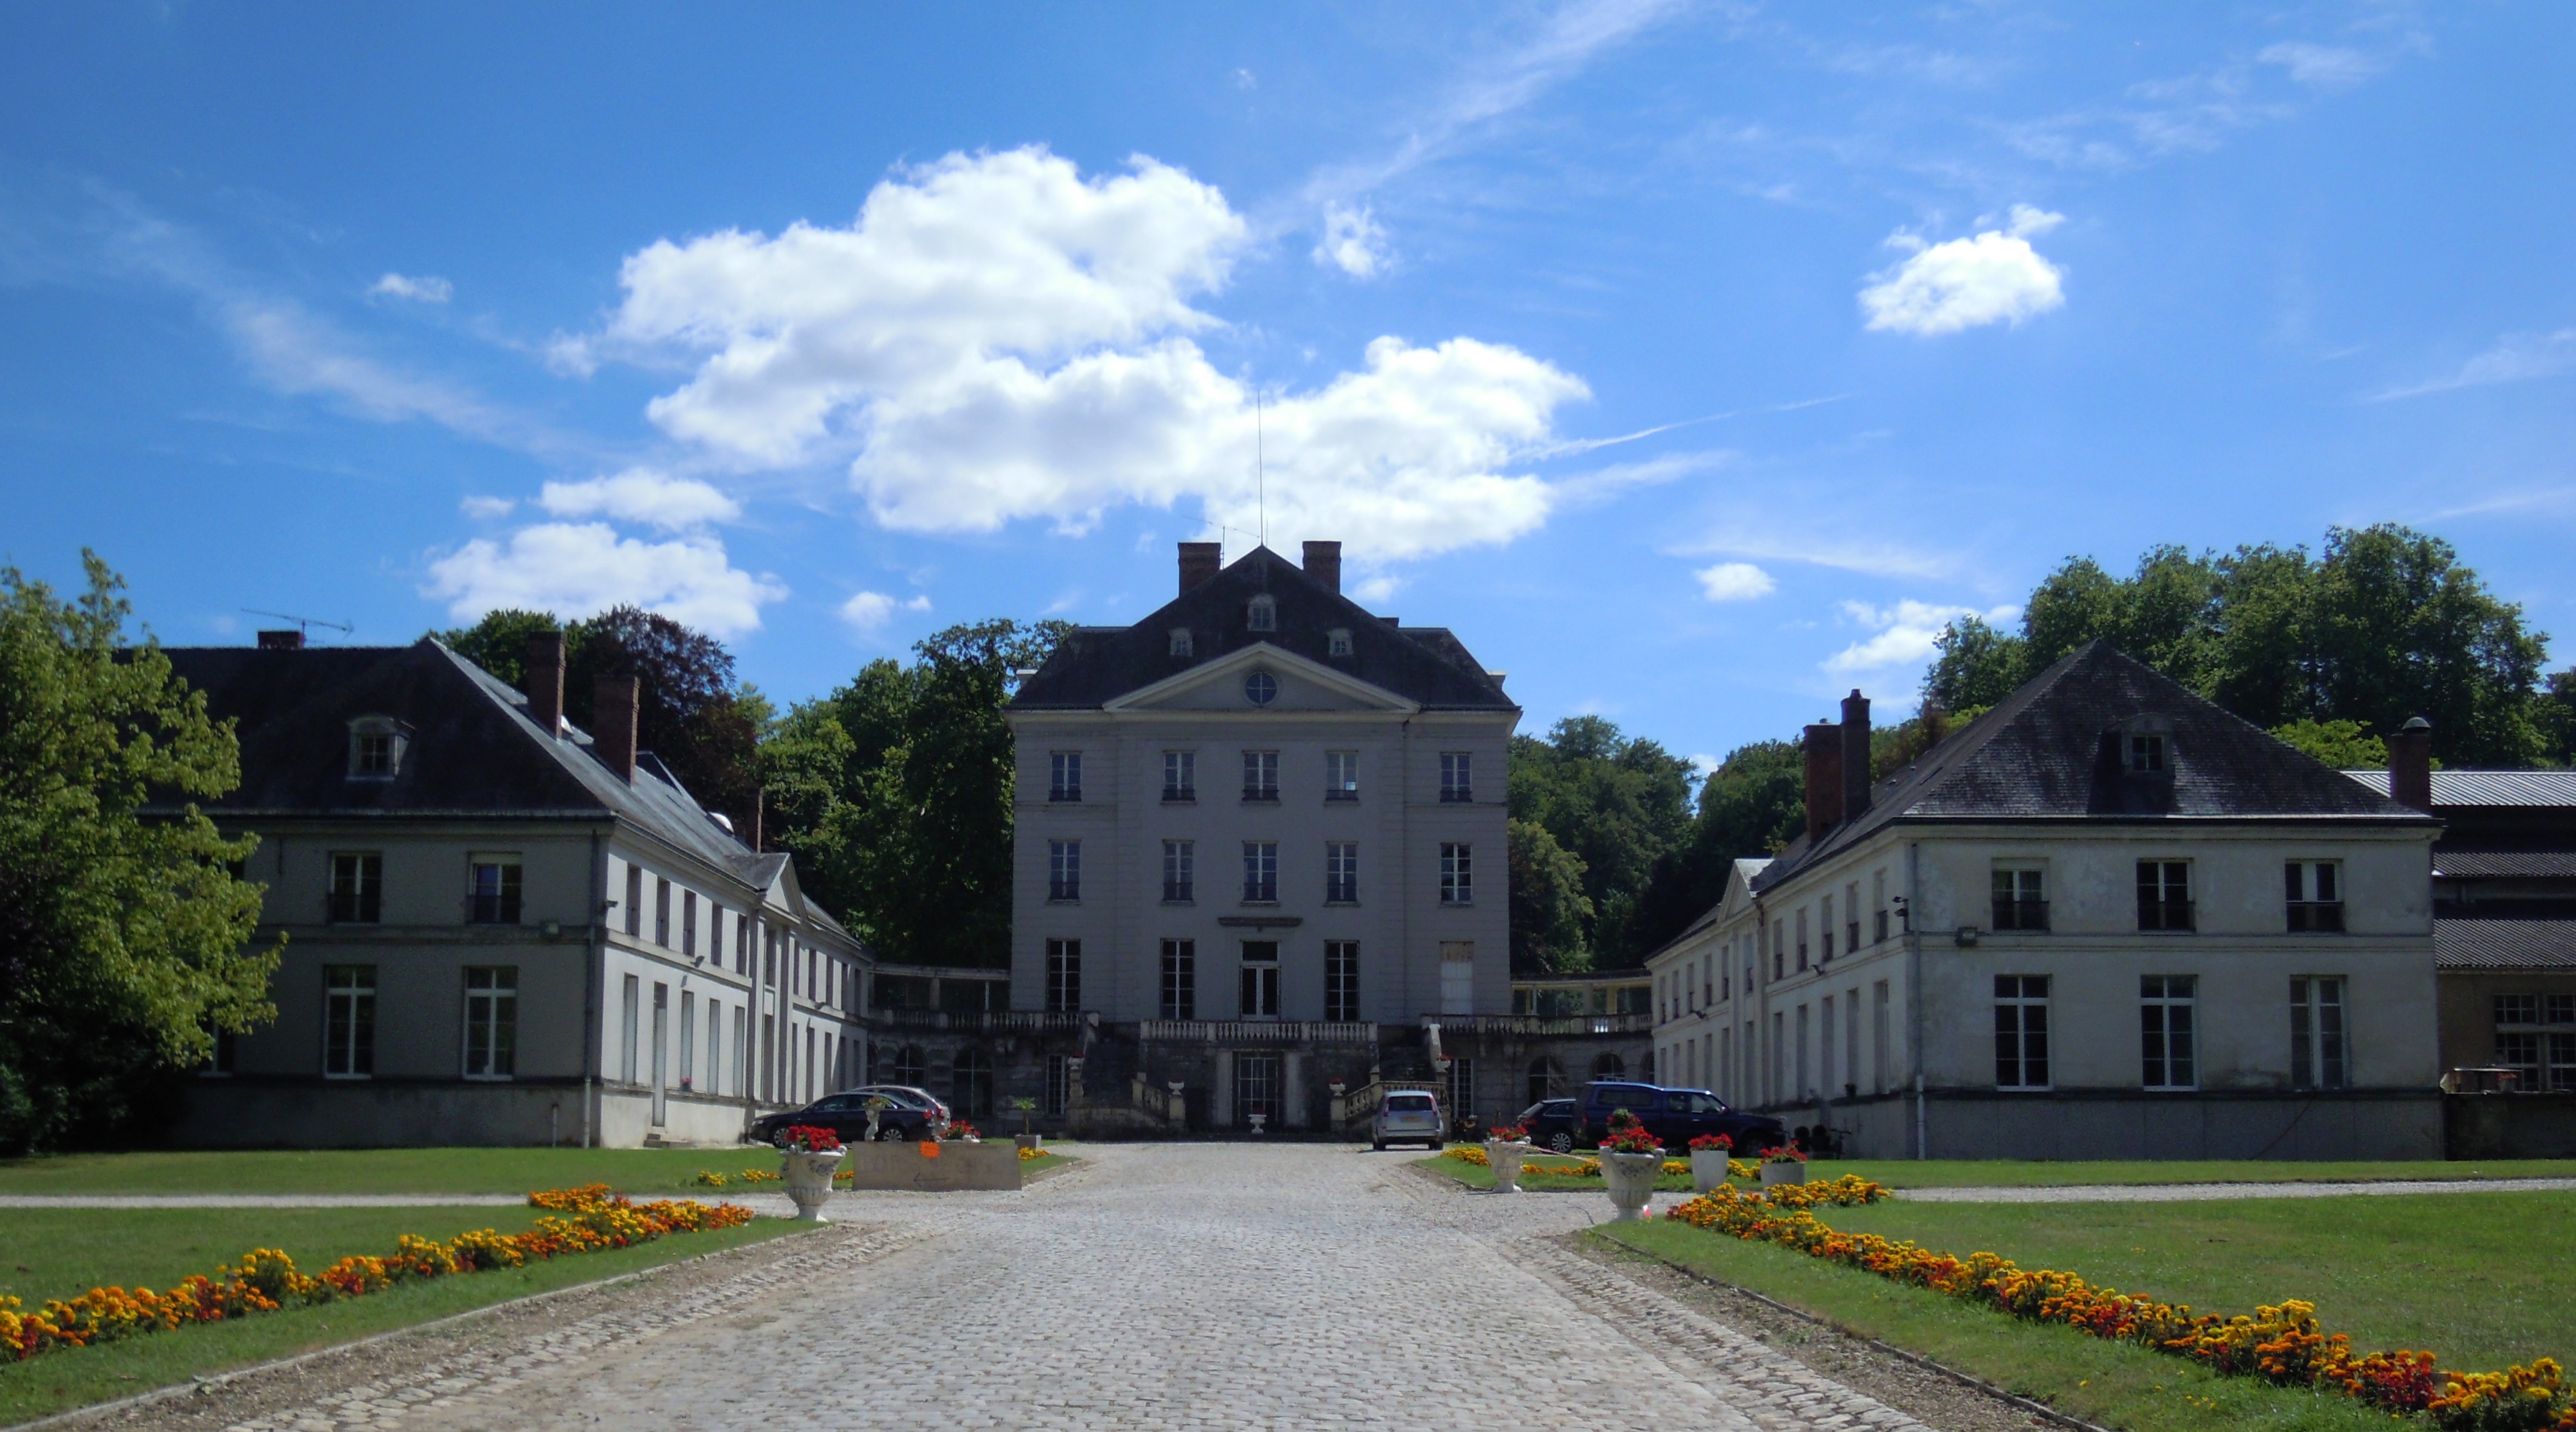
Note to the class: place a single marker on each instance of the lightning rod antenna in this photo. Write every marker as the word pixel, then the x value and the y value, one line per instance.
pixel 1260 474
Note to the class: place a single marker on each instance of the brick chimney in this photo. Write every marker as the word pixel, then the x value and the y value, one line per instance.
pixel 282 640
pixel 546 681
pixel 2410 765
pixel 613 724
pixel 1324 564
pixel 1855 755
pixel 1824 779
pixel 1199 561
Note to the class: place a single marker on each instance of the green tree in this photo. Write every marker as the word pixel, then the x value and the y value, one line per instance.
pixel 1617 803
pixel 1751 805
pixel 1549 908
pixel 123 931
pixel 2344 745
pixel 1975 665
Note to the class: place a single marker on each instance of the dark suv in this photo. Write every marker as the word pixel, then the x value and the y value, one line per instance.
pixel 1673 1116
pixel 1552 1123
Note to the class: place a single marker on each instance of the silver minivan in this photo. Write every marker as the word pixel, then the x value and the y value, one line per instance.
pixel 1405 1115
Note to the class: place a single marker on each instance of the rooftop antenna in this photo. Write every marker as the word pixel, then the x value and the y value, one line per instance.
pixel 1260 473
pixel 305 625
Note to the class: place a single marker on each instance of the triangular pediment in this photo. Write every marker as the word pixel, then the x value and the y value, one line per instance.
pixel 1300 685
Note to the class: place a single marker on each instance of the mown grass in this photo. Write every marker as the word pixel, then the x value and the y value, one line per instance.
pixel 47 1253
pixel 1535 1178
pixel 654 1172
pixel 2010 1173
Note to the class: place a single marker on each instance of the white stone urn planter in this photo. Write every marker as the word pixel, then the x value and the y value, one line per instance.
pixel 1775 1174
pixel 1630 1179
pixel 1504 1158
pixel 809 1183
pixel 1708 1169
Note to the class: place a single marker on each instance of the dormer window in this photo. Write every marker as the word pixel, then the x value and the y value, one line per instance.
pixel 1263 614
pixel 1337 642
pixel 375 748
pixel 2147 754
pixel 1181 644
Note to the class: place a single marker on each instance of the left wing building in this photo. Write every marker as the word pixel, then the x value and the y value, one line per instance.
pixel 501 929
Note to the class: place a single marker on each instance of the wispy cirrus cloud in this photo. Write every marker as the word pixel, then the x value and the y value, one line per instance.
pixel 2515 358
pixel 425 289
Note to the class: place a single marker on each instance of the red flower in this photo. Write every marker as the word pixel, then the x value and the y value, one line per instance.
pixel 806 1139
pixel 1712 1143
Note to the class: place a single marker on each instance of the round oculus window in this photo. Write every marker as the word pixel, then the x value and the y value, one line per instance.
pixel 1261 688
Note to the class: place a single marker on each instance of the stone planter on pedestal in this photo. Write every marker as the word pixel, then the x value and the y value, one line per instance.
pixel 1630 1178
pixel 1708 1169
pixel 1504 1158
pixel 1775 1174
pixel 809 1183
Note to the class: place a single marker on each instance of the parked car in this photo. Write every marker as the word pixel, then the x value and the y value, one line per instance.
pixel 1552 1124
pixel 911 1114
pixel 1404 1115
pixel 1674 1116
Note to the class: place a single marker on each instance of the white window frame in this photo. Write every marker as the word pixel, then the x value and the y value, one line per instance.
pixel 1457 873
pixel 2320 1033
pixel 1064 872
pixel 1180 872
pixel 1261 872
pixel 492 1012
pixel 2168 1033
pixel 2026 995
pixel 1341 872
pixel 349 1021
pixel 1341 775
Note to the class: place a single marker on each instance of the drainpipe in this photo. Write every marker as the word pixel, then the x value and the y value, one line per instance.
pixel 1914 990
pixel 594 971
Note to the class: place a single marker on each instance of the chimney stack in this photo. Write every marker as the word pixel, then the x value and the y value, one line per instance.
pixel 613 724
pixel 1824 779
pixel 1855 755
pixel 1199 561
pixel 282 640
pixel 546 681
pixel 1324 564
pixel 2410 765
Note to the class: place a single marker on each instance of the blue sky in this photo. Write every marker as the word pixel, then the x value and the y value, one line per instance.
pixel 1693 361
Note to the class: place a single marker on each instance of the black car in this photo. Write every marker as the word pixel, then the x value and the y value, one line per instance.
pixel 1551 1124
pixel 1673 1116
pixel 846 1115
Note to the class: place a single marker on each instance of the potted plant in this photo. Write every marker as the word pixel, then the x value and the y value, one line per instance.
pixel 1783 1165
pixel 876 1106
pixel 1709 1154
pixel 1024 1107
pixel 1505 1146
pixel 813 1155
pixel 1631 1159
pixel 959 1131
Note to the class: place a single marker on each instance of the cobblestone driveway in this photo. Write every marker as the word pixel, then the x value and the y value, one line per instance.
pixel 1229 1286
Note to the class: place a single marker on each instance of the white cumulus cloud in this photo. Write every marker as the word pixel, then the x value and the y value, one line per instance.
pixel 1994 277
pixel 1735 582
pixel 640 494
pixel 581 569
pixel 1353 241
pixel 1902 635
pixel 425 289
pixel 870 611
pixel 484 509
pixel 997 338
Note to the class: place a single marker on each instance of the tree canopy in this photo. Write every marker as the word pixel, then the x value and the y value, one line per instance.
pixel 124 934
pixel 1614 805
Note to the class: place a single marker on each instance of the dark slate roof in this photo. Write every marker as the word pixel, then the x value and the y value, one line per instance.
pixel 1096 665
pixel 2047 752
pixel 2489 788
pixel 473 751
pixel 2538 935
pixel 2503 862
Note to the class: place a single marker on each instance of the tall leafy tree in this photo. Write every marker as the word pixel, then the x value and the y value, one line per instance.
pixel 124 935
pixel 1617 804
pixel 1548 906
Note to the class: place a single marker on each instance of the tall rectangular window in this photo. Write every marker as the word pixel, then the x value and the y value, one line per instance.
pixel 1341 980
pixel 689 923
pixel 1457 873
pixel 495 894
pixel 1878 1031
pixel 742 927
pixel 357 888
pixel 349 1021
pixel 2021 1031
pixel 629 1011
pixel 1059 1083
pixel 1457 976
pixel 1261 871
pixel 1261 775
pixel 1802 937
pixel 1825 925
pixel 742 1049
pixel 1851 917
pixel 1180 775
pixel 2314 895
pixel 1180 871
pixel 2164 895
pixel 2318 1059
pixel 2165 1036
pixel 1064 776
pixel 634 900
pixel 1341 775
pixel 1341 872
pixel 1877 906
pixel 492 1022
pixel 2560 1045
pixel 1457 776
pixel 1064 976
pixel 1259 979
pixel 662 912
pixel 2020 898
pixel 1064 870
pixel 2520 1040
pixel 1180 979
pixel 715 1047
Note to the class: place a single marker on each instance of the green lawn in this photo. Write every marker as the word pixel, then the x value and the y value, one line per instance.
pixel 1534 1176
pixel 52 1253
pixel 2480 1279
pixel 1989 1173
pixel 466 1170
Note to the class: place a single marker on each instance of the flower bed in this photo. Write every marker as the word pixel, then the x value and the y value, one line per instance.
pixel 2285 1345
pixel 266 1280
pixel 1588 1168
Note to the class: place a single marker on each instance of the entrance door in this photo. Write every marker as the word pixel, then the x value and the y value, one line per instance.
pixel 1256 1089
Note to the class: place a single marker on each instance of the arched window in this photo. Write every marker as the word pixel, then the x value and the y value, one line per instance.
pixel 909 1065
pixel 1610 1066
pixel 971 1085
pixel 1546 1079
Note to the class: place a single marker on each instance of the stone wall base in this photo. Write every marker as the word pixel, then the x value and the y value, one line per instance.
pixel 2362 1124
pixel 991 1164
pixel 2510 1126
pixel 224 1113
